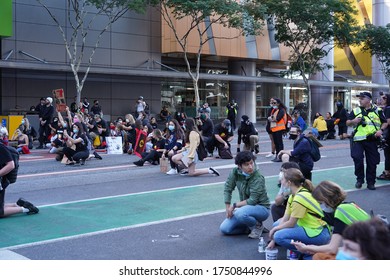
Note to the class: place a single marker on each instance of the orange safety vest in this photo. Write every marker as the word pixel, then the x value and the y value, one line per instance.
pixel 281 124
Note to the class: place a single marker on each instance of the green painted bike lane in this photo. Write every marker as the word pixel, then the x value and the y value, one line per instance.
pixel 99 215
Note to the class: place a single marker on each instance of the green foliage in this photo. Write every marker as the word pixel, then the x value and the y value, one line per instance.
pixel 310 28
pixel 376 41
pixel 138 6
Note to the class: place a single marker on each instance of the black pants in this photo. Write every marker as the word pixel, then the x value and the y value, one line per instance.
pixel 153 155
pixel 44 131
pixel 278 140
pixel 368 149
pixel 76 155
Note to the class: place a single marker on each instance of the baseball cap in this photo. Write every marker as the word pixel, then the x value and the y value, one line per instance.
pixel 141 97
pixel 227 123
pixel 364 94
pixel 49 99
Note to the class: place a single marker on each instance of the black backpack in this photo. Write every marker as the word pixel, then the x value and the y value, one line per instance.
pixel 12 175
pixel 314 149
pixel 201 150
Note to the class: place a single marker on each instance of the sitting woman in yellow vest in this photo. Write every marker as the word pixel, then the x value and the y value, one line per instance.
pixel 338 214
pixel 303 218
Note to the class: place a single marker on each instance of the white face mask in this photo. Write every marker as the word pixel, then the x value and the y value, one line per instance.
pixel 275 107
pixel 326 208
pixel 280 175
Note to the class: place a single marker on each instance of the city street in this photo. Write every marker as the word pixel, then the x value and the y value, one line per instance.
pixel 111 209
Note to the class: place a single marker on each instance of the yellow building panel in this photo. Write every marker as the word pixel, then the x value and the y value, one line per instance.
pixel 341 61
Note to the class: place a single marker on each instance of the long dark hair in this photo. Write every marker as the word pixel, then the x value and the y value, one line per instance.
pixel 190 126
pixel 179 133
pixel 280 104
pixel 80 127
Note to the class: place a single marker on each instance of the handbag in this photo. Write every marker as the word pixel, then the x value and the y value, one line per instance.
pixel 225 153
pixel 163 164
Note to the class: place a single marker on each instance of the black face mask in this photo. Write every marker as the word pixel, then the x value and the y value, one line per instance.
pixel 293 136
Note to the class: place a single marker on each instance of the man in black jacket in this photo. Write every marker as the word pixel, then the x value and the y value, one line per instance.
pixel 45 117
pixel 248 134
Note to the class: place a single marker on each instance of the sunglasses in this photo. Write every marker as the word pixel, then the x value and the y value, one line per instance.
pixel 273 103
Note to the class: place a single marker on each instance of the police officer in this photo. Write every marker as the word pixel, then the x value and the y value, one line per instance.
pixel 368 121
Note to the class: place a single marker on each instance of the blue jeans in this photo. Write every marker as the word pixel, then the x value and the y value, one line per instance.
pixel 243 218
pixel 283 237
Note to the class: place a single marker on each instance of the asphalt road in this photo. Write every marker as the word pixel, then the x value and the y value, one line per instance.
pixel 112 210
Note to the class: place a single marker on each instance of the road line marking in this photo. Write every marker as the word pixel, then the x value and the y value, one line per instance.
pixel 109 230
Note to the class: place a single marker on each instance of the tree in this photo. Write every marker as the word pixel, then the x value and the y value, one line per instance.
pixel 245 16
pixel 81 17
pixel 310 29
pixel 376 41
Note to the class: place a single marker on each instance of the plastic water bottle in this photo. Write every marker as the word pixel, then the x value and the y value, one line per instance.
pixel 261 245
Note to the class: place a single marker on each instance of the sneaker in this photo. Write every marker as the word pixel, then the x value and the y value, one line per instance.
pixel 28 205
pixel 371 187
pixel 210 154
pixel 257 231
pixel 97 155
pixel 173 171
pixel 139 163
pixel 82 161
pixel 276 159
pixel 257 150
pixel 215 172
pixel 40 147
pixel 358 185
pixel 184 172
pixel 270 155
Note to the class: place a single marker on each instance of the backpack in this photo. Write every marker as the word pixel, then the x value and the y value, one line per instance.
pixel 201 150
pixel 289 122
pixel 314 149
pixel 13 174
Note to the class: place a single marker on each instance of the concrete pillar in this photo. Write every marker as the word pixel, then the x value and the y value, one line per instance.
pixel 380 17
pixel 244 93
pixel 322 98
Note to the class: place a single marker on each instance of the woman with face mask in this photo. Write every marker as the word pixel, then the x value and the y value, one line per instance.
pixel 252 209
pixel 303 218
pixel 367 240
pixel 174 142
pixel 300 152
pixel 338 214
pixel 77 149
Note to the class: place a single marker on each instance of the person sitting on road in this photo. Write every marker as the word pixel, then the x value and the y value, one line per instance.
pixel 154 155
pixel 23 142
pixel 300 153
pixel 79 140
pixel 207 132
pixel 367 240
pixel 249 136
pixel 187 157
pixel 320 125
pixel 252 209
pixel 21 206
pixel 338 214
pixel 303 218
pixel 174 143
pixel 165 115
pixel 223 135
pixel 279 206
pixel 331 126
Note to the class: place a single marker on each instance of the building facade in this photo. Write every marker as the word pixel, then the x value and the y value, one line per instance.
pixel 139 56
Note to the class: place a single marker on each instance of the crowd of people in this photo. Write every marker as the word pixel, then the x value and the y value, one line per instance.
pixel 312 222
